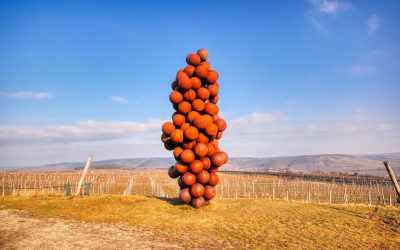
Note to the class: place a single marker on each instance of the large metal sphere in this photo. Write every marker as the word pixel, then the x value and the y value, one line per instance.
pixel 201 149
pixel 196 83
pixel 189 95
pixel 193 59
pixel 196 166
pixel 172 172
pixel 177 152
pixel 212 76
pixel 168 127
pixel 209 192
pixel 188 144
pixel 201 138
pixel 200 122
pixel 178 119
pixel 180 183
pixel 177 136
pixel 197 190
pixel 210 108
pixel 203 53
pixel 221 124
pixel 188 179
pixel 201 72
pixel 187 156
pixel 192 115
pixel 197 202
pixel 191 132
pixel 203 177
pixel 175 97
pixel 225 156
pixel 185 107
pixel 198 105
pixel 206 162
pixel 184 195
pixel 213 89
pixel 184 83
pixel 189 70
pixel 181 168
pixel 214 179
pixel 218 159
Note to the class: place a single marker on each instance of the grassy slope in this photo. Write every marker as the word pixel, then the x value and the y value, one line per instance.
pixel 229 222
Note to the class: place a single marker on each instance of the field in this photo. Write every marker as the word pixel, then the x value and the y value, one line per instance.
pixel 149 222
pixel 309 188
pixel 130 209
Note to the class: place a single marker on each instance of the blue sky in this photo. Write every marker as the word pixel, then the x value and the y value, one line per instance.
pixel 297 77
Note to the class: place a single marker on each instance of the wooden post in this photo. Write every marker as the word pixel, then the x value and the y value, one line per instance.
pixel 253 189
pixel 393 178
pixel 222 191
pixel 228 187
pixel 78 190
pixel 87 189
pixel 273 191
pixel 369 198
pixel 67 189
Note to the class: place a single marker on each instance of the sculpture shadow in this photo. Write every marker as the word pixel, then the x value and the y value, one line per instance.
pixel 348 212
pixel 172 201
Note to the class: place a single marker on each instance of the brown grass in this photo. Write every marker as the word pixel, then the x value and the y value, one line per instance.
pixel 237 223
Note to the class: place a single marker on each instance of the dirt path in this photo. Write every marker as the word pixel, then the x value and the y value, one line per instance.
pixel 20 231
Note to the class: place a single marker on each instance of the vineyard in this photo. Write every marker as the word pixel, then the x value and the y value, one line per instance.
pixel 370 191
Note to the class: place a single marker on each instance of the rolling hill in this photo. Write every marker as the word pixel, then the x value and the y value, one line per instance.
pixel 362 164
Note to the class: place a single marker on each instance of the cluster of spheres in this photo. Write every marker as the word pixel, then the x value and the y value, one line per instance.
pixel 194 131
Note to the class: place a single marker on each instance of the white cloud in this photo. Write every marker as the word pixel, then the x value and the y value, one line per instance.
pixel 317 25
pixel 324 7
pixel 257 134
pixel 118 99
pixel 76 132
pixel 330 7
pixel 276 126
pixel 27 95
pixel 359 133
pixel 362 70
pixel 45 153
pixel 372 24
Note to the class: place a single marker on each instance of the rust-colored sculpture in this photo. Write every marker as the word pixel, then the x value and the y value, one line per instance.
pixel 195 130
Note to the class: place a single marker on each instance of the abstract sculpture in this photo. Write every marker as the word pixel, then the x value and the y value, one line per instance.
pixel 195 130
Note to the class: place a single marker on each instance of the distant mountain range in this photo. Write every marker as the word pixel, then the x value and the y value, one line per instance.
pixel 362 164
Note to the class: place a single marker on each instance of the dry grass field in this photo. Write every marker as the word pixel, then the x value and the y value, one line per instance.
pixel 116 221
